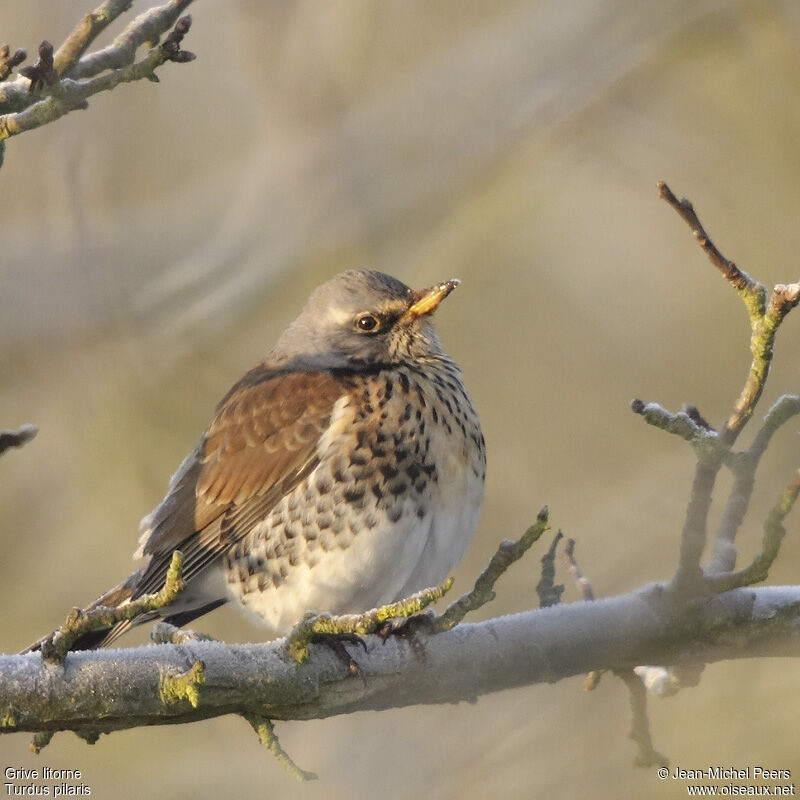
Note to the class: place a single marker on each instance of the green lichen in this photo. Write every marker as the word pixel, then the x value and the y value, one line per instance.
pixel 185 686
pixel 8 720
pixel 267 736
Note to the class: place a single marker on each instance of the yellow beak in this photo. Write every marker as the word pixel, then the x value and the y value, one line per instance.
pixel 426 301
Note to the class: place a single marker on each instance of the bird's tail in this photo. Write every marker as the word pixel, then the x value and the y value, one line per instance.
pixel 119 595
pixel 191 604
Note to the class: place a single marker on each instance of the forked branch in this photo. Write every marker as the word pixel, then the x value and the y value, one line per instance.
pixel 766 312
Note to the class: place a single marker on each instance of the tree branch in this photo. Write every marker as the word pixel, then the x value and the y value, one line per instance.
pixel 85 32
pixel 773 536
pixel 483 591
pixel 753 293
pixel 744 466
pixel 714 450
pixel 107 690
pixel 63 82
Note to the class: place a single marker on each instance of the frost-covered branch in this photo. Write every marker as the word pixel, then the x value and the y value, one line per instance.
pixel 107 690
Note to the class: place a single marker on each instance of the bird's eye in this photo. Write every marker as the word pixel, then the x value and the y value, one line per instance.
pixel 368 323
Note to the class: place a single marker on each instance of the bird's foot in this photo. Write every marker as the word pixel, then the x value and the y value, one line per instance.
pixel 409 628
pixel 335 642
pixel 404 616
pixel 333 632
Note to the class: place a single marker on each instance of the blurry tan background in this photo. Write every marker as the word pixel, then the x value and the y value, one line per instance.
pixel 154 246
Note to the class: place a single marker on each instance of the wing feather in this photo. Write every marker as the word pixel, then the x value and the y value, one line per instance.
pixel 263 440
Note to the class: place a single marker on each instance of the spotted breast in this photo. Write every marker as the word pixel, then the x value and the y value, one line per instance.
pixel 390 507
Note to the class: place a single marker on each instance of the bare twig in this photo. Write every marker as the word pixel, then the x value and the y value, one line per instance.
pixel 751 291
pixel 583 584
pixel 147 28
pixel 17 438
pixel 687 580
pixel 52 95
pixel 592 679
pixel 85 32
pixel 766 316
pixel 744 466
pixel 648 756
pixel 483 591
pixel 42 73
pixel 764 328
pixel 773 536
pixel 267 736
pixel 548 591
pixel 9 60
pixel 702 436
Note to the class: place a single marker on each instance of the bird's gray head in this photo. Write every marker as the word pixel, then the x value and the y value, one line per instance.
pixel 363 317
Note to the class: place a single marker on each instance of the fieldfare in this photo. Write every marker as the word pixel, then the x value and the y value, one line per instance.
pixel 343 472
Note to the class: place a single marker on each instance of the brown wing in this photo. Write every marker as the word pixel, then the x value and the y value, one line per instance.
pixel 262 442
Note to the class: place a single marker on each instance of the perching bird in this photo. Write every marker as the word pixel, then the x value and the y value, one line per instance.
pixel 343 472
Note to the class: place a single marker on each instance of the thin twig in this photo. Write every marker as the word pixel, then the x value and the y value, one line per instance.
pixel 701 436
pixel 267 736
pixel 647 756
pixel 770 546
pixel 483 591
pixel 548 591
pixel 765 318
pixel 764 328
pixel 765 314
pixel 146 28
pixel 85 32
pixel 583 584
pixel 748 289
pixel 17 438
pixel 687 580
pixel 592 679
pixel 9 60
pixel 744 467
